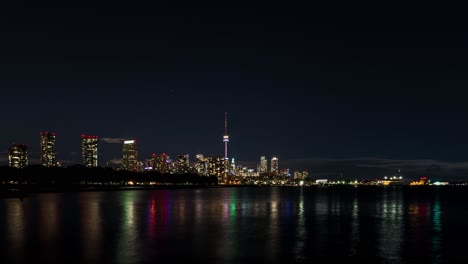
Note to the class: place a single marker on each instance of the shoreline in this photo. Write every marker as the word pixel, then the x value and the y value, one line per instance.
pixel 11 191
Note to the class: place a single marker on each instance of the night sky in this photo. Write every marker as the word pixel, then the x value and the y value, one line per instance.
pixel 362 88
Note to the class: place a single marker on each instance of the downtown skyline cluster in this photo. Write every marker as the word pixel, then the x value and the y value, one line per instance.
pixel 218 165
pixel 362 168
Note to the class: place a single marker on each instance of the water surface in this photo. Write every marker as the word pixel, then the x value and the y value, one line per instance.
pixel 238 225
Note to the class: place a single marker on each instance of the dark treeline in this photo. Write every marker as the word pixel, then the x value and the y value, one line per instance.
pixel 77 174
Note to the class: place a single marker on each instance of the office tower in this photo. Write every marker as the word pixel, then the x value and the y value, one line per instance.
pixel 159 163
pixel 130 155
pixel 18 156
pixel 183 164
pixel 233 165
pixel 263 167
pixel 201 165
pixel 89 150
pixel 216 166
pixel 48 149
pixel 274 165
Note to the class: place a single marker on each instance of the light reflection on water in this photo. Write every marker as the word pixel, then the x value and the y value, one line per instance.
pixel 301 231
pixel 91 226
pixel 355 238
pixel 16 229
pixel 437 231
pixel 50 224
pixel 391 214
pixel 128 234
pixel 228 225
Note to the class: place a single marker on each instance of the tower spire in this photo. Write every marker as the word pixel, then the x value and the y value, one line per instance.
pixel 226 159
pixel 226 136
pixel 225 123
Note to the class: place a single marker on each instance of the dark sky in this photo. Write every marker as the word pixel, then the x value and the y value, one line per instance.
pixel 305 81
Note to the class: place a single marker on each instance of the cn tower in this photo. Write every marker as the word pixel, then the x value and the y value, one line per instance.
pixel 225 137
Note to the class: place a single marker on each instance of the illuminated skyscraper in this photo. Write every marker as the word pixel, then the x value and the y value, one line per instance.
pixel 226 159
pixel 48 149
pixel 18 156
pixel 159 163
pixel 233 165
pixel 274 165
pixel 130 156
pixel 263 166
pixel 216 166
pixel 89 150
pixel 225 137
pixel 201 165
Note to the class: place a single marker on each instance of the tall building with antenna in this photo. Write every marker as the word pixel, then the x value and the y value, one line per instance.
pixel 226 136
pixel 225 140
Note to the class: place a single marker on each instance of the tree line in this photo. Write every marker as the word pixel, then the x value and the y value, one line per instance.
pixel 78 174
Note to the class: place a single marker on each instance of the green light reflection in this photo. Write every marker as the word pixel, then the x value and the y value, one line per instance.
pixel 128 240
pixel 437 231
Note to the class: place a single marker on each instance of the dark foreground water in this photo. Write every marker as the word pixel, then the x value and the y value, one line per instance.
pixel 239 225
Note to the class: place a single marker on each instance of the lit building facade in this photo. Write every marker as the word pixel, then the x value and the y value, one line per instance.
pixel 233 165
pixel 285 172
pixel 159 163
pixel 48 149
pixel 89 150
pixel 274 165
pixel 263 166
pixel 201 165
pixel 183 164
pixel 216 166
pixel 301 174
pixel 18 156
pixel 130 156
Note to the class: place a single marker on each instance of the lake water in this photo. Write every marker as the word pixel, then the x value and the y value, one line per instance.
pixel 238 225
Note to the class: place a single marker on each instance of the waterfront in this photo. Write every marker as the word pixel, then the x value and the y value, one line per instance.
pixel 378 224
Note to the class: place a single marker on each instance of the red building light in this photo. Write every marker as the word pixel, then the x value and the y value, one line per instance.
pixel 88 136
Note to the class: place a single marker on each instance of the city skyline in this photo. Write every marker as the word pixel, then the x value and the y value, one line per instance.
pixel 316 168
pixel 129 160
pixel 356 89
pixel 233 131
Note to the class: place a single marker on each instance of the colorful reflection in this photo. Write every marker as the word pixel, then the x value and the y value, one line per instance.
pixel 418 226
pixel 436 241
pixel 159 212
pixel 227 241
pixel 152 218
pixel 128 242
